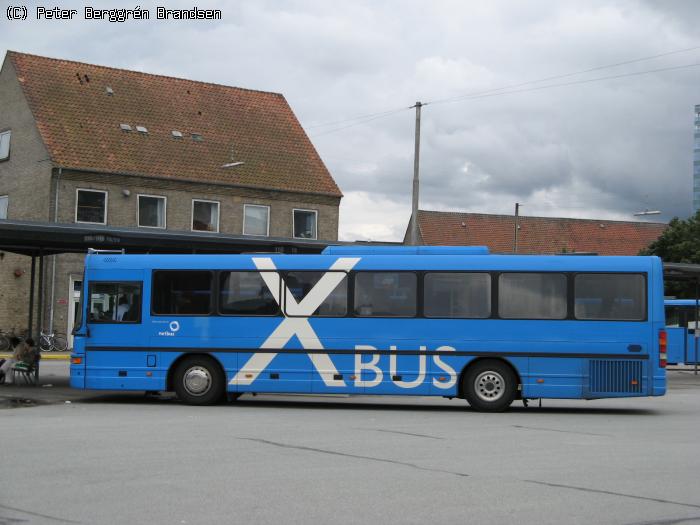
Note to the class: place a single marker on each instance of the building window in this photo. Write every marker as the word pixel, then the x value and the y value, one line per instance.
pixel 3 206
pixel 205 216
pixel 91 206
pixel 305 224
pixel 5 145
pixel 151 211
pixel 256 220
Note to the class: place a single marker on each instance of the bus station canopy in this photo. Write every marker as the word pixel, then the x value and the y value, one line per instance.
pixel 681 271
pixel 39 239
pixel 50 238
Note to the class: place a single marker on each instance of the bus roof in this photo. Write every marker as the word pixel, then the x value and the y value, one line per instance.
pixel 460 262
pixel 405 250
pixel 679 302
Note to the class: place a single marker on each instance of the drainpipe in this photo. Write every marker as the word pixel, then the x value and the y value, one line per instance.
pixel 53 257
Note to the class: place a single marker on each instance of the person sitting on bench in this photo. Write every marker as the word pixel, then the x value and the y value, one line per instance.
pixel 23 352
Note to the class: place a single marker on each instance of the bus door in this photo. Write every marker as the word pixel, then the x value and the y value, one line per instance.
pixel 677 340
pixel 692 347
pixel 691 352
pixel 680 330
pixel 115 356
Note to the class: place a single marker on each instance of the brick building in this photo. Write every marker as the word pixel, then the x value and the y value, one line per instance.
pixel 536 235
pixel 88 144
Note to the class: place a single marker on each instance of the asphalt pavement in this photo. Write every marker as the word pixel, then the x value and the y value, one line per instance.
pixel 105 457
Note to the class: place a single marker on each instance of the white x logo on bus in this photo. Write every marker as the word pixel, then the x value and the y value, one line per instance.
pixel 299 326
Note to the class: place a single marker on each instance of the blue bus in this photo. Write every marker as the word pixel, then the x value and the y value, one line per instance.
pixel 680 326
pixel 423 321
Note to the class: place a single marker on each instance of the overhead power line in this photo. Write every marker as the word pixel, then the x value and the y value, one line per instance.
pixel 363 119
pixel 565 75
pixel 525 90
pixel 573 82
pixel 360 117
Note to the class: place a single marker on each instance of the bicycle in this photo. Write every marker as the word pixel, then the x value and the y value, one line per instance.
pixel 53 342
pixel 6 337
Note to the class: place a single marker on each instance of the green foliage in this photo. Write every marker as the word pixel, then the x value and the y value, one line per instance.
pixel 680 243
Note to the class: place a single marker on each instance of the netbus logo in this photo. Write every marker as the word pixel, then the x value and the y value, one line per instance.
pixel 173 327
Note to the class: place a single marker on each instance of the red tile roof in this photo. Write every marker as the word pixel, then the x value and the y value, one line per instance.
pixel 537 234
pixel 79 123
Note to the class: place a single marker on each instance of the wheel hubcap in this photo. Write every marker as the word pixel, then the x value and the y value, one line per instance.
pixel 489 386
pixel 197 381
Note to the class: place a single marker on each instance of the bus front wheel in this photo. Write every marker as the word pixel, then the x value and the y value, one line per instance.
pixel 489 386
pixel 199 381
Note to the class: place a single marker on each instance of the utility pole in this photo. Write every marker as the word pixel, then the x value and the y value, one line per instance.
pixel 416 184
pixel 515 227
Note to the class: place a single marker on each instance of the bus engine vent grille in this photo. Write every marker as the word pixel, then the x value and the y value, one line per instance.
pixel 110 259
pixel 615 376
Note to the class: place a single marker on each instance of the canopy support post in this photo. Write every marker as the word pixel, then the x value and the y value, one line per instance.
pixel 40 297
pixel 31 297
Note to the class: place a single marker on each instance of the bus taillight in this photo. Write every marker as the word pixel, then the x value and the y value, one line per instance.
pixel 662 348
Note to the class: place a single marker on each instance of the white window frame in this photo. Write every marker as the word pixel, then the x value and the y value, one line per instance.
pixel 315 212
pixel 267 234
pixel 106 193
pixel 7 206
pixel 165 211
pixel 218 215
pixel 7 132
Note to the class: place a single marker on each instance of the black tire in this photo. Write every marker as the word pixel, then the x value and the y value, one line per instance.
pixel 60 343
pixel 199 380
pixel 489 386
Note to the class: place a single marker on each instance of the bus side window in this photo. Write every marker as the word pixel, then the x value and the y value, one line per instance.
pixel 610 296
pixel 115 302
pixel 299 284
pixel 245 293
pixel 385 294
pixel 674 317
pixel 457 295
pixel 685 317
pixel 182 292
pixel 532 295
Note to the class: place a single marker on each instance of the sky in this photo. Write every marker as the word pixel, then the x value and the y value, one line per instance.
pixel 601 149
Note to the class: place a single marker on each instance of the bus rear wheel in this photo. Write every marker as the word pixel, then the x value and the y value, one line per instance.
pixel 489 386
pixel 199 380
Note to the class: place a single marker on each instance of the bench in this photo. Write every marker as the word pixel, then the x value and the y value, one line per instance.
pixel 28 373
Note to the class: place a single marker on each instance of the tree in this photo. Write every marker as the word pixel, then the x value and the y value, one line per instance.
pixel 679 243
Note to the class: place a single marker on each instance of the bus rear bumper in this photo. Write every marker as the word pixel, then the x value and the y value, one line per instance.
pixel 659 388
pixel 77 379
pixel 77 371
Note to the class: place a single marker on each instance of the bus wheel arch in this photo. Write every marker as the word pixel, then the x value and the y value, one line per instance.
pixel 486 370
pixel 197 379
